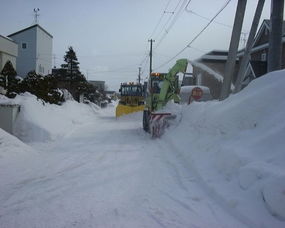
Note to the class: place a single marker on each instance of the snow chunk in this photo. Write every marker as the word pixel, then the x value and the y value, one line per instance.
pixel 274 197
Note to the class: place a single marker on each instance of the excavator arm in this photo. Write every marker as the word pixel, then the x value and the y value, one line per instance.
pixel 170 87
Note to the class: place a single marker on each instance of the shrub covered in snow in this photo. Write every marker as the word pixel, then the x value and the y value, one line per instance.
pixel 44 87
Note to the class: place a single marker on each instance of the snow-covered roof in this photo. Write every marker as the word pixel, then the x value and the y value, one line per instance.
pixel 28 28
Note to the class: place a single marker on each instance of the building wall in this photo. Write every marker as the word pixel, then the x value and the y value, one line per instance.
pixel 8 51
pixel 44 52
pixel 209 80
pixel 264 37
pixel 257 56
pixel 26 60
pixel 206 79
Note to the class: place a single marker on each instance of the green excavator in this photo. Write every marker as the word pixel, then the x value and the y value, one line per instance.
pixel 161 88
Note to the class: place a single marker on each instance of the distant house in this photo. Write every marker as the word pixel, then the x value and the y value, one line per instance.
pixel 100 85
pixel 209 69
pixel 34 50
pixel 8 52
pixel 259 53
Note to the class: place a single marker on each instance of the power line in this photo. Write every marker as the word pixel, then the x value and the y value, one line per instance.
pixel 170 22
pixel 196 37
pixel 160 19
pixel 208 19
pixel 144 61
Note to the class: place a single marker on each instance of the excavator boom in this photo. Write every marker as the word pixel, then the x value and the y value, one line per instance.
pixel 154 121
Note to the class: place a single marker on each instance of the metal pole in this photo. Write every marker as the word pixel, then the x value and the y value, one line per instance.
pixel 229 70
pixel 275 37
pixel 140 75
pixel 150 56
pixel 150 71
pixel 246 55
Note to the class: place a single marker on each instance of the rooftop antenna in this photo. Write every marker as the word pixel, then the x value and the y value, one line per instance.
pixel 36 16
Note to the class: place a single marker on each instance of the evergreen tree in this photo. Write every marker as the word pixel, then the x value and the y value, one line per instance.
pixel 8 80
pixel 77 83
pixel 71 63
pixel 44 88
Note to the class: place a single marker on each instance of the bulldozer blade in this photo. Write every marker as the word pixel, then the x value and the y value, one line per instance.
pixel 125 109
pixel 158 123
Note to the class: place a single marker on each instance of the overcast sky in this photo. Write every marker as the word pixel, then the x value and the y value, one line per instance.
pixel 111 37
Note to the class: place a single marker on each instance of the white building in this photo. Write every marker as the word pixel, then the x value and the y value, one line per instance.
pixel 34 50
pixel 8 51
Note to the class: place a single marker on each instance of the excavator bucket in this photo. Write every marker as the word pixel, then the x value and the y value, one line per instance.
pixel 158 122
pixel 126 109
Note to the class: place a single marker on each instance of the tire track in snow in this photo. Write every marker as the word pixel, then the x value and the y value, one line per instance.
pixel 217 198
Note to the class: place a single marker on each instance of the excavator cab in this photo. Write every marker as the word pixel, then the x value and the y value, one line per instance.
pixel 131 99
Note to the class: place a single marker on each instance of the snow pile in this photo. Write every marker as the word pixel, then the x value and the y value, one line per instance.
pixel 16 158
pixel 40 121
pixel 236 147
pixel 221 164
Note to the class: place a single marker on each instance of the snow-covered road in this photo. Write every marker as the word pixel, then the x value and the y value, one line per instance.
pixel 109 173
pixel 220 164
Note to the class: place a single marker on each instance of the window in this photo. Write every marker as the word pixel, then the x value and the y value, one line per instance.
pixel 263 57
pixel 24 45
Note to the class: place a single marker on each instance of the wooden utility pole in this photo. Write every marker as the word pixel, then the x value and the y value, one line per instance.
pixel 150 69
pixel 246 55
pixel 140 75
pixel 275 36
pixel 235 38
pixel 150 56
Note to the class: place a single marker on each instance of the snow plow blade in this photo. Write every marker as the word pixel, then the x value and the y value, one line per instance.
pixel 158 122
pixel 126 109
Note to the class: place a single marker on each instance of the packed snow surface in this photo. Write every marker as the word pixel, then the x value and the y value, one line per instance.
pixel 220 164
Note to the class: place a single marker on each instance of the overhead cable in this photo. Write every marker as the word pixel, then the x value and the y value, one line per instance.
pixel 196 37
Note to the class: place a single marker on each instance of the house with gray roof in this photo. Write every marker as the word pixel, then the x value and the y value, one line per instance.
pixel 34 50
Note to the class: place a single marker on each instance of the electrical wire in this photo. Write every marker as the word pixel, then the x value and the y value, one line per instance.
pixel 208 19
pixel 170 22
pixel 196 37
pixel 160 19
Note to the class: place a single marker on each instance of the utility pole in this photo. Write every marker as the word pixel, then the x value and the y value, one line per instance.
pixel 150 56
pixel 140 75
pixel 235 38
pixel 275 36
pixel 150 69
pixel 246 55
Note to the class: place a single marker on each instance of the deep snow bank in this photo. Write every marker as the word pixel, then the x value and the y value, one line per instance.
pixel 40 121
pixel 237 146
pixel 16 160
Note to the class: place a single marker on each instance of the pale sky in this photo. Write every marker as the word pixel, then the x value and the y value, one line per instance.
pixel 111 37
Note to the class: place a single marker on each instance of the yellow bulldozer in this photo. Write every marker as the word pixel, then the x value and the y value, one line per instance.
pixel 131 99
